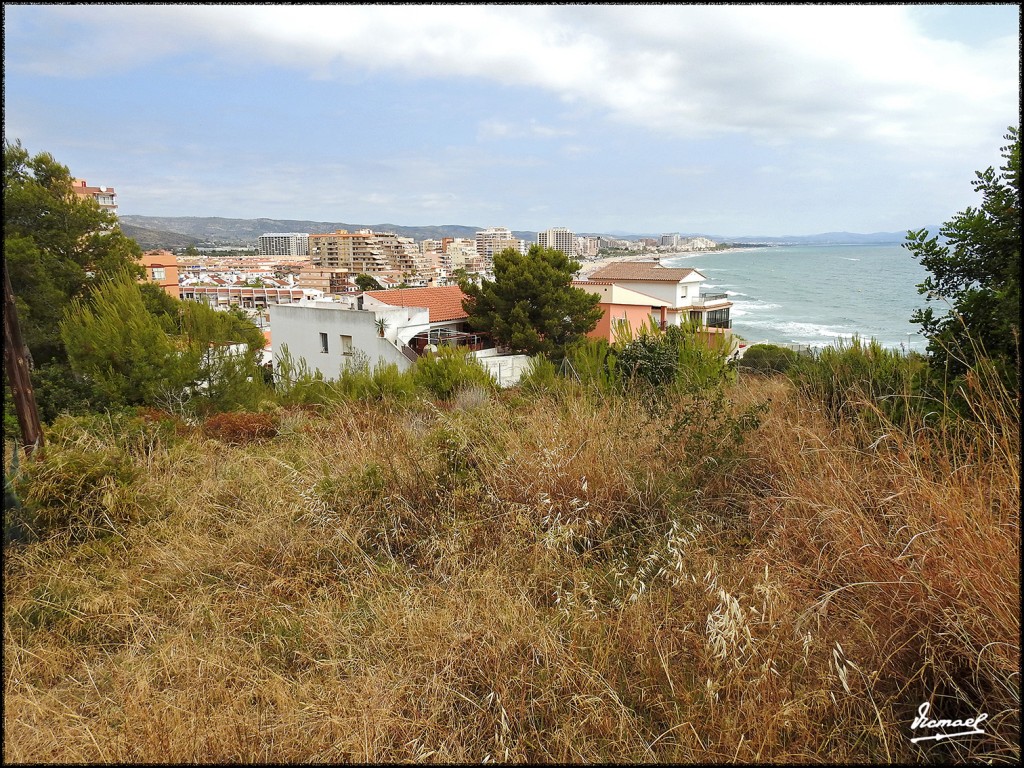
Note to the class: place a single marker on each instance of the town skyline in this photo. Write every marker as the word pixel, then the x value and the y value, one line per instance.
pixel 727 120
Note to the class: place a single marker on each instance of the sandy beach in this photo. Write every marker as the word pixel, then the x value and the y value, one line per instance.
pixel 590 267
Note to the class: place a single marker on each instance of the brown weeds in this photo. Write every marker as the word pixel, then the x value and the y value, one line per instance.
pixel 560 579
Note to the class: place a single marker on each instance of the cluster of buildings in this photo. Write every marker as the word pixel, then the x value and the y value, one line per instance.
pixel 306 289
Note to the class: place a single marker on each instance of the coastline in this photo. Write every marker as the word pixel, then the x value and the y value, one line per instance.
pixel 590 267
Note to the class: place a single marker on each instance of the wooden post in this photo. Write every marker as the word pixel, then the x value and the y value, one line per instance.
pixel 16 363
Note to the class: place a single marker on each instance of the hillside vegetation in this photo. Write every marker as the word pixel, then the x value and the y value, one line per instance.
pixel 762 569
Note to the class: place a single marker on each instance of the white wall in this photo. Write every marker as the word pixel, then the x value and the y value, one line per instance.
pixel 298 327
pixel 506 369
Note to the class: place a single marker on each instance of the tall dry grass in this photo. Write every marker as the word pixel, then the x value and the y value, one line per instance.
pixel 543 578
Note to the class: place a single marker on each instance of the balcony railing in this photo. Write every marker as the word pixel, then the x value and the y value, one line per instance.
pixel 707 298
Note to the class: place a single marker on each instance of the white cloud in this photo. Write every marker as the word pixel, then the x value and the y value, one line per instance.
pixel 770 72
pixel 500 129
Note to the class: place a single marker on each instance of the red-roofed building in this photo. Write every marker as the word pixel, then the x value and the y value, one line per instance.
pixel 392 326
pixel 446 319
pixel 635 292
pixel 444 303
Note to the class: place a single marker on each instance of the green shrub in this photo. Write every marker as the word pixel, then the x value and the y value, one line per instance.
pixel 852 378
pixel 541 376
pixel 296 384
pixel 686 358
pixel 767 358
pixel 79 491
pixel 594 363
pixel 444 372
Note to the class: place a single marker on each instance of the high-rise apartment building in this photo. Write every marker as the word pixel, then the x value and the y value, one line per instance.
pixel 495 240
pixel 284 244
pixel 104 196
pixel 670 240
pixel 558 238
pixel 367 252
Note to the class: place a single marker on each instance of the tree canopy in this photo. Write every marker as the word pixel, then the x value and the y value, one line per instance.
pixel 531 305
pixel 56 246
pixel 97 338
pixel 977 274
pixel 367 283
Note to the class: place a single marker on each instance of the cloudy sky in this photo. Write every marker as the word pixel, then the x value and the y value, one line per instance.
pixel 727 120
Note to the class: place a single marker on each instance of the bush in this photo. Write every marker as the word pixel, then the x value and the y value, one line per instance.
pixel 687 358
pixel 767 358
pixel 444 372
pixel 852 378
pixel 541 376
pixel 241 428
pixel 79 491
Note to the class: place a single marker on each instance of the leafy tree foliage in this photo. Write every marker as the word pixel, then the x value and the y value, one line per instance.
pixel 367 283
pixel 977 272
pixel 140 347
pixel 114 341
pixel 97 338
pixel 56 246
pixel 531 305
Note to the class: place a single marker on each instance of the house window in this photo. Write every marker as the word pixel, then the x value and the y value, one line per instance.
pixel 682 291
pixel 323 343
pixel 159 273
pixel 346 344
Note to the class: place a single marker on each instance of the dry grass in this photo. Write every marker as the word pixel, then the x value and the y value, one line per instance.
pixel 543 580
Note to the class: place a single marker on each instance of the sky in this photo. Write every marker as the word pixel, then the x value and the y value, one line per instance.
pixel 736 120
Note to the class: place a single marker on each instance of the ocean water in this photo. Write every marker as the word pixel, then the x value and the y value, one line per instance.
pixel 816 295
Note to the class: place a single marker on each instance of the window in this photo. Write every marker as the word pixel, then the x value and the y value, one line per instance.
pixel 159 273
pixel 346 344
pixel 323 343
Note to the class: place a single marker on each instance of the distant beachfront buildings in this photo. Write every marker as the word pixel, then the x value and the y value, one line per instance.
pixel 368 252
pixel 495 240
pixel 674 242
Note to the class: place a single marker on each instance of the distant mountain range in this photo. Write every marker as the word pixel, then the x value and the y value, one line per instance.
pixel 183 231
pixel 247 231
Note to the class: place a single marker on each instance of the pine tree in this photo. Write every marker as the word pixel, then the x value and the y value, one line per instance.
pixel 531 305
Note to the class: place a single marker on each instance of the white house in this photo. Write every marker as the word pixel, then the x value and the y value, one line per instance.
pixel 673 294
pixel 390 326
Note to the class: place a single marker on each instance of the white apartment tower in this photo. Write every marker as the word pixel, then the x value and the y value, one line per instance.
pixel 559 238
pixel 284 244
pixel 495 240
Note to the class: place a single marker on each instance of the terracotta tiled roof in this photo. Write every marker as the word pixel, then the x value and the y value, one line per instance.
pixel 444 303
pixel 641 270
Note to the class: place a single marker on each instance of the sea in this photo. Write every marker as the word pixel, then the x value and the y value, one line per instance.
pixel 816 295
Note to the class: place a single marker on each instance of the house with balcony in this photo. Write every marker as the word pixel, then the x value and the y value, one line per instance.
pixel 394 326
pixel 635 292
pixel 390 326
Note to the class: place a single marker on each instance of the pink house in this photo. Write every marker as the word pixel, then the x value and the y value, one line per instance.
pixel 634 293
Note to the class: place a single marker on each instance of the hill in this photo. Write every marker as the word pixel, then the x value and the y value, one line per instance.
pixel 247 231
pixel 154 238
